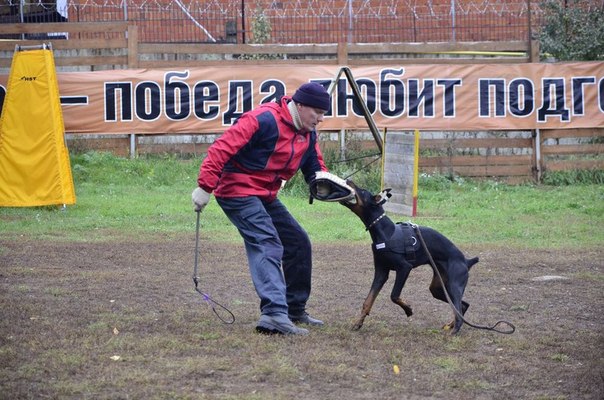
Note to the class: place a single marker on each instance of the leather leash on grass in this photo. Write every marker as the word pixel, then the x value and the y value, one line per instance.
pixel 211 302
pixel 433 264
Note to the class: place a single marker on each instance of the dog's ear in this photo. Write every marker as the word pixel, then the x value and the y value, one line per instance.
pixel 383 196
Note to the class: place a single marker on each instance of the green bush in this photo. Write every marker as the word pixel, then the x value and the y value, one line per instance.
pixel 104 168
pixel 573 31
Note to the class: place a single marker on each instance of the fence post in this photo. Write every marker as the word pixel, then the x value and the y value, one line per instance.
pixel 536 134
pixel 342 53
pixel 342 144
pixel 132 39
pixel 534 51
pixel 132 145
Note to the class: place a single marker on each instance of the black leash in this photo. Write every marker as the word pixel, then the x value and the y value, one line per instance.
pixel 433 264
pixel 211 302
pixel 356 158
pixel 311 198
pixel 364 166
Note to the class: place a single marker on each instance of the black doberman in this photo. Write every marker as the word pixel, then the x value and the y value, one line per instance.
pixel 396 248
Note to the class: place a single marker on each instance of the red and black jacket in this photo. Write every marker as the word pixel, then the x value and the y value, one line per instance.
pixel 260 150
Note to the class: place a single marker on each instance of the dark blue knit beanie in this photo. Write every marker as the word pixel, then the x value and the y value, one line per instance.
pixel 313 95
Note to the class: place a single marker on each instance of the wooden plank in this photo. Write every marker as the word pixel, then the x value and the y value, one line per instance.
pixel 398 169
pixel 438 47
pixel 342 54
pixel 337 51
pixel 91 60
pixel 82 44
pixel 221 48
pixel 565 149
pixel 359 62
pixel 571 133
pixel 132 46
pixel 70 27
pixel 565 165
pixel 534 51
pixel 221 63
pixel 475 160
pixel 475 143
pixel 482 171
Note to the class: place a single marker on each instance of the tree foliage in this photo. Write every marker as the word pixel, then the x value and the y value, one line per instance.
pixel 261 27
pixel 261 34
pixel 573 30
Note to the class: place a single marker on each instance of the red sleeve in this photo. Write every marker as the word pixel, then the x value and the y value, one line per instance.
pixel 223 149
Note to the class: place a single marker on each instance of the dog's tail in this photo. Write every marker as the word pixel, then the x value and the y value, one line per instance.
pixel 471 262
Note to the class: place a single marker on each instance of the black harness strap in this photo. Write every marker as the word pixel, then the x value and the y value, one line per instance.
pixel 402 242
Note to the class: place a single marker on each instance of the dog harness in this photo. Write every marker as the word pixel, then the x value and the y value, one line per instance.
pixel 402 242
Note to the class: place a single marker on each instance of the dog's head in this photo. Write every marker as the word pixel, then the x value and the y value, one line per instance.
pixel 367 205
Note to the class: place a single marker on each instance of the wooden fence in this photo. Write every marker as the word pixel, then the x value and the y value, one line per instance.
pixel 114 45
pixel 98 46
pixel 511 157
pixel 89 45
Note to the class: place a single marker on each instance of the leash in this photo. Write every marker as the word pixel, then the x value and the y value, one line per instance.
pixel 211 302
pixel 364 166
pixel 455 310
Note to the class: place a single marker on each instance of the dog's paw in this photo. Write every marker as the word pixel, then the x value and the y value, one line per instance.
pixel 406 307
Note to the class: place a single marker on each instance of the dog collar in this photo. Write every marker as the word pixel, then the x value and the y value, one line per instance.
pixel 375 221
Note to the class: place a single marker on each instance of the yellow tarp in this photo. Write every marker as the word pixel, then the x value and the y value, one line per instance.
pixel 34 161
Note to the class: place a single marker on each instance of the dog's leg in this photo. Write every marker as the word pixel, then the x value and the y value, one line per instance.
pixel 456 293
pixel 379 279
pixel 402 273
pixel 455 280
pixel 438 292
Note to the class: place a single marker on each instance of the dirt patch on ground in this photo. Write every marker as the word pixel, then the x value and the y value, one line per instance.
pixel 121 320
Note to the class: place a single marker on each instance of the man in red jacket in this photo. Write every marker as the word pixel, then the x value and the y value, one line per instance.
pixel 245 169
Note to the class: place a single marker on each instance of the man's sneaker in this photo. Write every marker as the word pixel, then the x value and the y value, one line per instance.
pixel 271 324
pixel 304 318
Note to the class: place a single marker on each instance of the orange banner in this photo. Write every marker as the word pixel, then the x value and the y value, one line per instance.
pixel 424 97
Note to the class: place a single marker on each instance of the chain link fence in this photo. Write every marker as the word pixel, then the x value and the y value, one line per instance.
pixel 301 21
pixel 294 21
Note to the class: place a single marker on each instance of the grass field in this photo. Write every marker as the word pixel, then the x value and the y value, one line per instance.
pixel 152 197
pixel 98 303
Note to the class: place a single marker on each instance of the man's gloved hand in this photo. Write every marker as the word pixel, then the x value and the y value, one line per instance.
pixel 326 186
pixel 200 198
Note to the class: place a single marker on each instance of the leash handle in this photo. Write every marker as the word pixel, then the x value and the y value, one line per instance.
pixel 196 261
pixel 229 319
pixel 507 332
pixel 211 302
